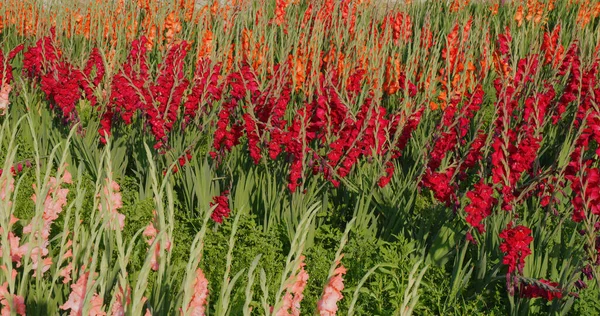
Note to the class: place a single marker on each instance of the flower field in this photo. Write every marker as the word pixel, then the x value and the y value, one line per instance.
pixel 299 157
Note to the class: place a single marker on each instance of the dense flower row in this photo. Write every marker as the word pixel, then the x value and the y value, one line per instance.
pixel 324 136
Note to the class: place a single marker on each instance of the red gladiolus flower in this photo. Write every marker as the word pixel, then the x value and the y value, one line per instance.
pixel 455 123
pixel 442 186
pixel 549 291
pixel 128 93
pixel 504 41
pixel 571 61
pixel 62 83
pixel 515 247
pixel 389 172
pixel 253 138
pixel 167 93
pixel 205 90
pixel 481 205
pixel 294 147
pixel 226 136
pixel 587 194
pixel 474 154
pixel 183 159
pixel 222 210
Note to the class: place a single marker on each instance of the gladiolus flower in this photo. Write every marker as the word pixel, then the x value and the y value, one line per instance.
pixel 66 273
pixel 332 294
pixel 222 210
pixel 77 296
pixel 121 300
pixel 515 247
pixel 481 205
pixel 293 295
pixel 18 302
pixel 4 92
pixel 197 305
pixel 151 232
pixel 96 306
pixel 16 251
pixel 112 202
pixel 549 291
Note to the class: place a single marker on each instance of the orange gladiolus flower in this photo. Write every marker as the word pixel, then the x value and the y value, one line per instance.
pixel 172 27
pixel 299 71
pixel 531 4
pixel 584 15
pixel 494 8
pixel 519 15
pixel 455 6
pixel 280 11
pixel 150 37
pixel 391 83
pixel 229 63
pixel 501 66
pixel 206 45
pixel 246 37
pixel 144 4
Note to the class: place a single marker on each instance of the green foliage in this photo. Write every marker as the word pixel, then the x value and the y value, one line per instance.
pixel 587 303
pixel 250 242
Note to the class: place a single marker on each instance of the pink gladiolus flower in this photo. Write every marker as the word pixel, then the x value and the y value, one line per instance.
pixel 197 305
pixel 293 296
pixel 16 251
pixel 287 305
pixel 115 202
pixel 66 273
pixel 76 298
pixel 13 274
pixel 96 303
pixel 39 256
pixel 6 88
pixel 151 232
pixel 55 200
pixel 332 294
pixel 6 188
pixel 18 302
pixel 11 222
pixel 69 252
pixel 67 177
pixel 118 308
